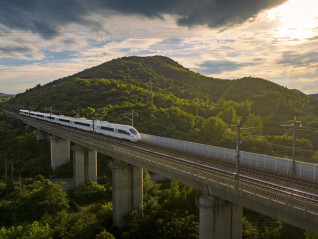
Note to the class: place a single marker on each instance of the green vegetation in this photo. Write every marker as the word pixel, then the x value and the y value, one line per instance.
pixel 186 105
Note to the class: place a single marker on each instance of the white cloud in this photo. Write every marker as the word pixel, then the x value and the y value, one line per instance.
pixel 254 47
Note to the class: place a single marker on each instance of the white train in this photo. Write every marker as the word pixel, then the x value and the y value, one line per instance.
pixel 101 127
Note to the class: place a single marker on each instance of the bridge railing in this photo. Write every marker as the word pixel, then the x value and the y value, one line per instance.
pixel 218 179
pixel 303 169
pixel 206 175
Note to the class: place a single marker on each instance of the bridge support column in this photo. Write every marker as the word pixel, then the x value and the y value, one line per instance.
pixel 60 151
pixel 41 135
pixel 127 187
pixel 219 218
pixel 84 165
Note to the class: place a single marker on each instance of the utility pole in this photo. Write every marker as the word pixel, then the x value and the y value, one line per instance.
pixel 150 91
pixel 132 118
pixel 126 115
pixel 238 132
pixel 294 142
pixel 93 122
pixel 77 112
pixel 238 142
pixel 50 112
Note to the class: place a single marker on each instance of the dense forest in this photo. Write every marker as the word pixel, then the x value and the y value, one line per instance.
pixel 171 101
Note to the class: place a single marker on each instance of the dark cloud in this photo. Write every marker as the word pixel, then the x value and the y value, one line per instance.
pixel 46 17
pixel 8 50
pixel 296 59
pixel 216 67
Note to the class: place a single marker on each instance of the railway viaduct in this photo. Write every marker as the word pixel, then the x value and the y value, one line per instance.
pixel 221 206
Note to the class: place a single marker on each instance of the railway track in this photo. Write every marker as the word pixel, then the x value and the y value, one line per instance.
pixel 260 173
pixel 287 184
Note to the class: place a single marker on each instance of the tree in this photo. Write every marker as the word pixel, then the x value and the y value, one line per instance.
pixel 213 129
pixel 310 235
pixel 35 230
pixel 31 200
pixel 92 192
pixel 248 231
pixel 253 120
pixel 105 235
pixel 228 115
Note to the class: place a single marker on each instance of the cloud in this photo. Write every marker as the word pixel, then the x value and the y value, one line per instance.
pixel 47 17
pixel 22 51
pixel 296 59
pixel 10 49
pixel 44 17
pixel 216 67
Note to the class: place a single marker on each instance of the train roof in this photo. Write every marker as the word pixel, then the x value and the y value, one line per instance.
pixel 37 113
pixel 113 124
pixel 83 120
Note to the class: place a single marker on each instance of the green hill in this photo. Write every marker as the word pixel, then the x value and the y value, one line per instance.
pixel 187 105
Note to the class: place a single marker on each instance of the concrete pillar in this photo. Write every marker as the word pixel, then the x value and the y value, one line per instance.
pixel 84 165
pixel 78 165
pixel 91 165
pixel 40 135
pixel 60 152
pixel 127 187
pixel 219 218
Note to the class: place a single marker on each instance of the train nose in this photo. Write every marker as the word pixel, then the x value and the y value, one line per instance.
pixel 137 137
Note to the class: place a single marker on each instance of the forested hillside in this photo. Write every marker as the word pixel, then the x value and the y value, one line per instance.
pixel 170 101
pixel 186 105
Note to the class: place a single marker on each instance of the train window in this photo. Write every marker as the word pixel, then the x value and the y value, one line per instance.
pixel 107 128
pixel 123 132
pixel 64 120
pixel 49 117
pixel 133 131
pixel 32 114
pixel 83 124
pixel 39 115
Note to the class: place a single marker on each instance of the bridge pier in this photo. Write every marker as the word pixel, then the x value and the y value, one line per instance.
pixel 41 135
pixel 127 184
pixel 60 151
pixel 84 165
pixel 219 218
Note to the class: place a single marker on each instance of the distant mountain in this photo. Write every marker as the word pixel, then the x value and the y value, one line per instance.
pixel 5 95
pixel 314 95
pixel 311 95
pixel 295 90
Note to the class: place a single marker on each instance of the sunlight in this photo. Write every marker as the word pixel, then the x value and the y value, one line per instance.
pixel 298 19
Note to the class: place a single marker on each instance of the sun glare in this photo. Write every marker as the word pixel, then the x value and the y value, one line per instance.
pixel 298 19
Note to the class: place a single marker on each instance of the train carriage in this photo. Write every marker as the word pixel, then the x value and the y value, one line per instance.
pixel 101 127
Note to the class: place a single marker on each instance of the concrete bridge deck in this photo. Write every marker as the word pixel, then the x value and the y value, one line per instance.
pixel 298 208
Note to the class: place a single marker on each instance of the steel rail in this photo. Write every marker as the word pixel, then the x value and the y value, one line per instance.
pixel 281 194
pixel 247 170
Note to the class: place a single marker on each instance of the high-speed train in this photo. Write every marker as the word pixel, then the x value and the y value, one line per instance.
pixel 101 127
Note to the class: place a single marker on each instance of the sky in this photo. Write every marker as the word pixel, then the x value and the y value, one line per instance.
pixel 44 40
